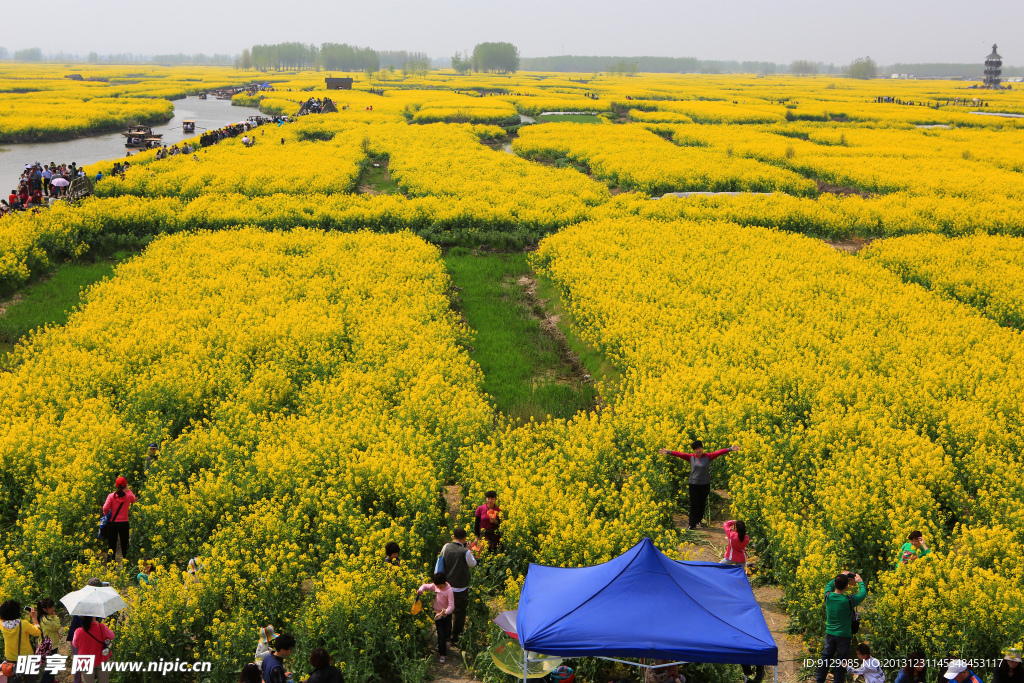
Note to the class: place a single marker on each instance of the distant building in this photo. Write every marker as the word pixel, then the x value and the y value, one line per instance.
pixel 339 83
pixel 993 69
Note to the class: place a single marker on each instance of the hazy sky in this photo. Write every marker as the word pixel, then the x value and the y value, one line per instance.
pixel 837 32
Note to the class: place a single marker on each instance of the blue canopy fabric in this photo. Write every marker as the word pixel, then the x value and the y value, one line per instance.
pixel 645 604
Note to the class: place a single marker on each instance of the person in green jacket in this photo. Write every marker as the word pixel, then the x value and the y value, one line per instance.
pixel 839 607
pixel 913 549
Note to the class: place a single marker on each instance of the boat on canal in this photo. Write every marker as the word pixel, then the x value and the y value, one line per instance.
pixel 188 126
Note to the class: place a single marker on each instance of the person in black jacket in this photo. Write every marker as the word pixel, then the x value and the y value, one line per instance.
pixel 323 670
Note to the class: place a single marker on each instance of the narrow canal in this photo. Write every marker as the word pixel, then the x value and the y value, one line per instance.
pixel 208 114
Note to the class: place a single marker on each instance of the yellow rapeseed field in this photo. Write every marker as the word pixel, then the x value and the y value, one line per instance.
pixel 286 335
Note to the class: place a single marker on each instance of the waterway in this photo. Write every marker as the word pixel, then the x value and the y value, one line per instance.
pixel 208 114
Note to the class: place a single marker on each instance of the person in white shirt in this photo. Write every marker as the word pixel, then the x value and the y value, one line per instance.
pixel 870 668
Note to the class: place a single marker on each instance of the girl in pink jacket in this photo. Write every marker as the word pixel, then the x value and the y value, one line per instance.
pixel 444 605
pixel 118 505
pixel 736 553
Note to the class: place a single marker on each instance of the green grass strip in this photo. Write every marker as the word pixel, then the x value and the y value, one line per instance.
pixel 50 300
pixel 525 369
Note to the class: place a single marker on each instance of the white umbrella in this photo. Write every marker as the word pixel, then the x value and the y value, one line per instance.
pixel 506 621
pixel 60 182
pixel 93 601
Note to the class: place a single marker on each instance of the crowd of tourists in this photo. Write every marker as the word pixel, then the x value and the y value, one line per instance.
pixel 956 102
pixel 38 630
pixel 232 130
pixel 38 183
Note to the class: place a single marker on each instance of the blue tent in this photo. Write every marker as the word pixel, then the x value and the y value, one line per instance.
pixel 645 604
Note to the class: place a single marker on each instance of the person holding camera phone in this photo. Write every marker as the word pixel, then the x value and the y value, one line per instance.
pixel 94 638
pixel 17 626
pixel 840 611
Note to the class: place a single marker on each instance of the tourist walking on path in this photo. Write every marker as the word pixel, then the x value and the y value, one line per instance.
pixel 118 505
pixel 273 664
pixel 486 519
pixel 700 477
pixel 94 638
pixel 840 610
pixel 736 553
pixel 76 623
pixel 444 606
pixel 458 559
pixel 17 630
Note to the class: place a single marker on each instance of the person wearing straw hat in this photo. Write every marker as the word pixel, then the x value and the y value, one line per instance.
pixel 1009 670
pixel 117 506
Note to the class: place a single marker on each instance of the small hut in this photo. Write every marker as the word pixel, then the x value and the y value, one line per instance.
pixel 993 69
pixel 339 83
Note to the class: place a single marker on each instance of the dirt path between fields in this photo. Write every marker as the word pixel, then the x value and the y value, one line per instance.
pixel 710 544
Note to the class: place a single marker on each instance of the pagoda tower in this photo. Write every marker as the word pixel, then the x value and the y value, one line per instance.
pixel 993 69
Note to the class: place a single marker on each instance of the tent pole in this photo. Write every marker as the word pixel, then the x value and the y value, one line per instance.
pixel 526 663
pixel 776 672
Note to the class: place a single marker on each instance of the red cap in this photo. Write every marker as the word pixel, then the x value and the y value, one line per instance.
pixel 121 481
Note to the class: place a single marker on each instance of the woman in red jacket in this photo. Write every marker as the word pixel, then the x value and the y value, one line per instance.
pixel 736 553
pixel 117 506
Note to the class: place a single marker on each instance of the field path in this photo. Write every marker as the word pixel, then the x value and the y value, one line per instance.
pixel 710 543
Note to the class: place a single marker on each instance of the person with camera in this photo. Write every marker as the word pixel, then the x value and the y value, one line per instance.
pixel 18 627
pixel 840 613
pixel 94 638
pixel 117 506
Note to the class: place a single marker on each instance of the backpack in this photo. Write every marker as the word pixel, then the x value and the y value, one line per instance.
pixel 854 617
pixel 439 565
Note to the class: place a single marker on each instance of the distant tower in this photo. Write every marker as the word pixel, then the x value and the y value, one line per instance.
pixel 993 69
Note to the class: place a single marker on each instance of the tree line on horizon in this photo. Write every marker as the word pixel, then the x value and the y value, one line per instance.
pixel 499 57
pixel 329 57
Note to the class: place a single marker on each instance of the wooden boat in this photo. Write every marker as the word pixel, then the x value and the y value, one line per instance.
pixel 142 143
pixel 141 132
pixel 202 96
pixel 188 126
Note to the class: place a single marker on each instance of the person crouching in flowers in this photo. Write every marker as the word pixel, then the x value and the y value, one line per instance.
pixel 736 553
pixel 444 605
pixel 914 548
pixel 869 668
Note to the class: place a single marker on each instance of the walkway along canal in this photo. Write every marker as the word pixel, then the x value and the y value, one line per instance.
pixel 208 114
